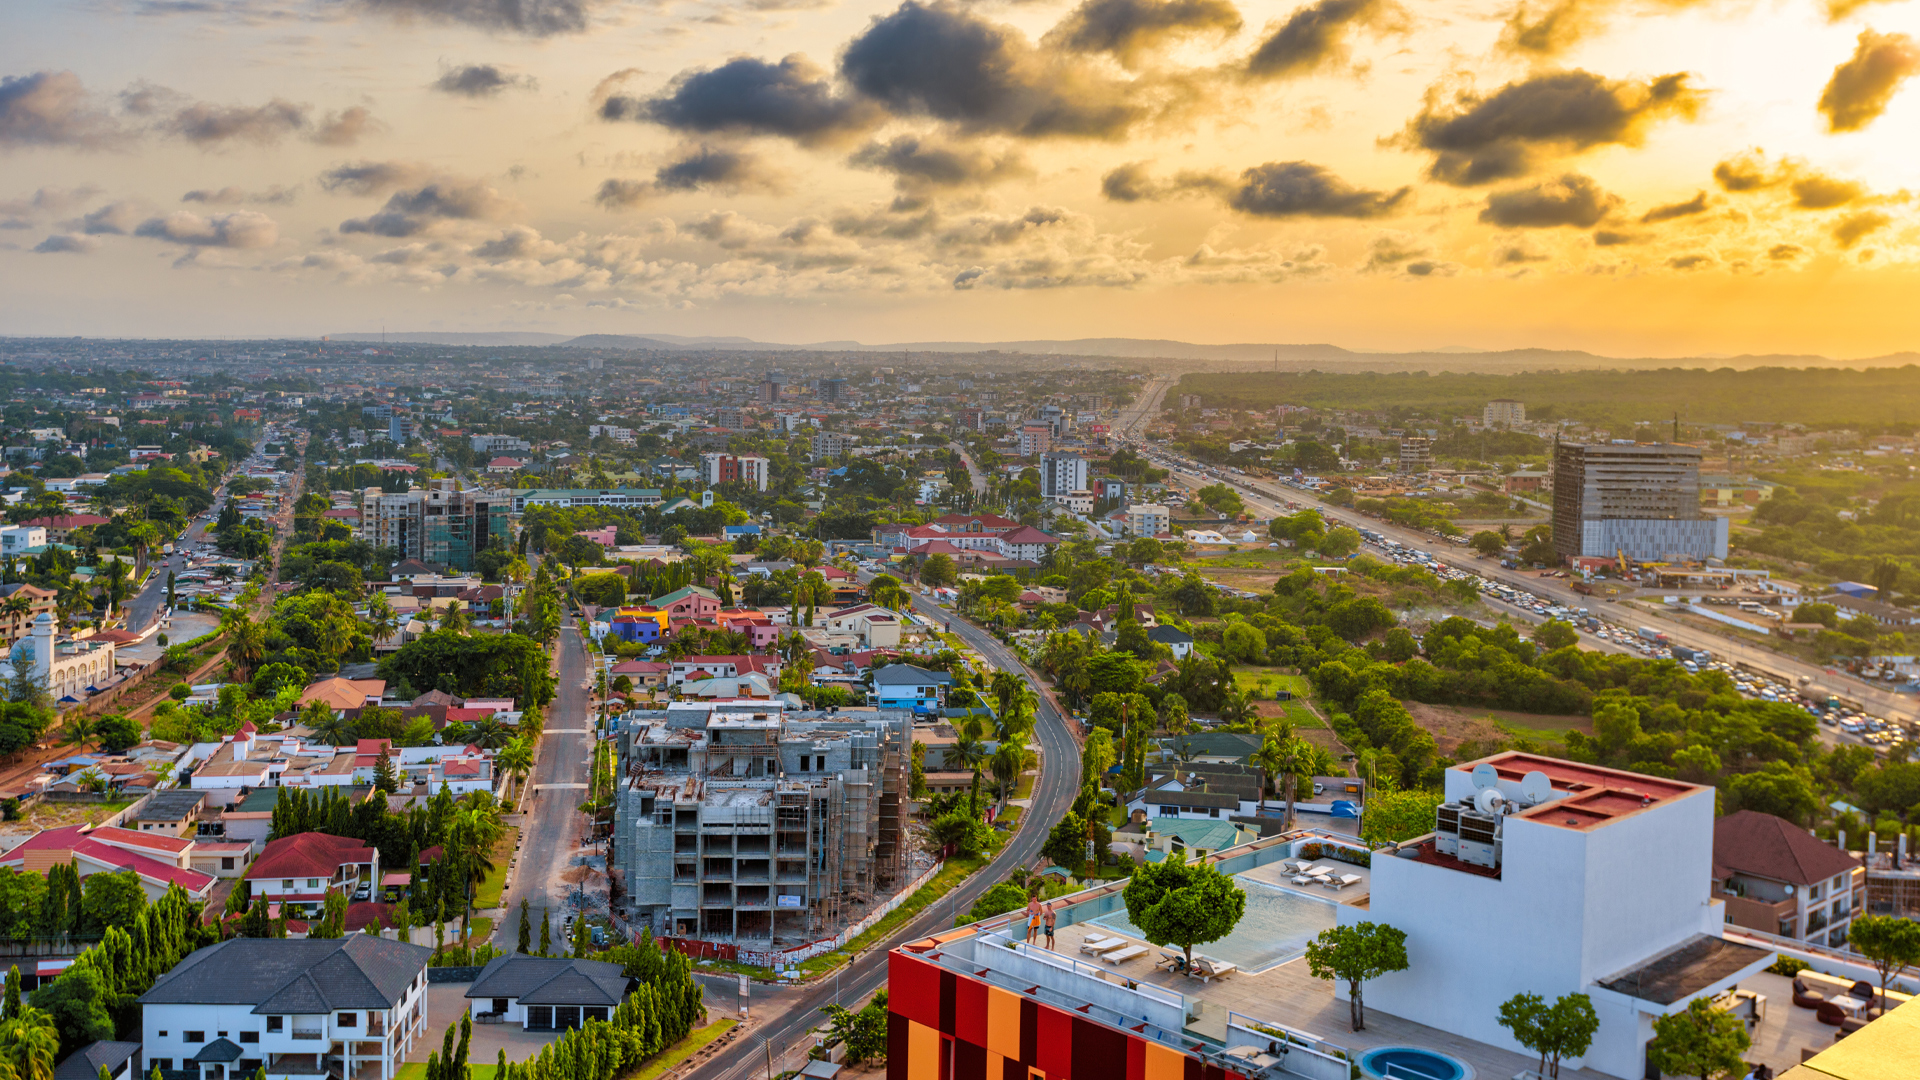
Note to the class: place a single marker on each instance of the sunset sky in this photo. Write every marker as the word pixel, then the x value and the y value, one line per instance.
pixel 1651 178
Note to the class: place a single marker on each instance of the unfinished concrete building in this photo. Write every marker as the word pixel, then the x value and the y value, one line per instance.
pixel 746 823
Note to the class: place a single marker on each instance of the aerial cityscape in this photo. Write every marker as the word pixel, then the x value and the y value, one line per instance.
pixel 959 540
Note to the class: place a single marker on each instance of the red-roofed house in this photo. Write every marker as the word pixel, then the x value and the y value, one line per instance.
pixel 60 526
pixel 1780 879
pixel 159 860
pixel 725 667
pixel 299 871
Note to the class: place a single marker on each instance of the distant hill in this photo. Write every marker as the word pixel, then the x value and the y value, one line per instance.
pixel 1292 357
pixel 501 339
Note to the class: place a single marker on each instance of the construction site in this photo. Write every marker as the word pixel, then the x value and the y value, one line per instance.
pixel 744 823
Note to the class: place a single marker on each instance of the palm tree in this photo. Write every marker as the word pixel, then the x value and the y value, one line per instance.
pixel 246 642
pixel 327 726
pixel 969 753
pixel 79 728
pixel 1278 756
pixel 29 1044
pixel 143 538
pixel 454 618
pixel 1008 761
pixel 382 622
pixel 514 758
pixel 488 733
pixel 1236 709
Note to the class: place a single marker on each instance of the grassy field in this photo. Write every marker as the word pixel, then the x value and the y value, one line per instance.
pixel 481 930
pixel 1267 681
pixel 488 894
pixel 1449 725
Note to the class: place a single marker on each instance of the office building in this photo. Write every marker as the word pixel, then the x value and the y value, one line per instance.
pixel 442 528
pixel 1641 500
pixel 1503 411
pixel 1416 454
pixel 731 418
pixel 739 821
pixel 1062 473
pixel 1035 439
pixel 402 430
pixel 833 390
pixel 970 419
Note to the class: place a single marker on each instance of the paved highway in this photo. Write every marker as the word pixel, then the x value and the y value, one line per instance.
pixel 793 1011
pixel 1268 499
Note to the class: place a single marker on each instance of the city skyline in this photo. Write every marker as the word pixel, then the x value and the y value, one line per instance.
pixel 1584 176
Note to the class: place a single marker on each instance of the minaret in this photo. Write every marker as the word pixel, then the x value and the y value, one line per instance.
pixel 43 649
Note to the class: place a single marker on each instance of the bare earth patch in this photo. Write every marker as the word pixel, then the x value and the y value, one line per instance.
pixel 1450 725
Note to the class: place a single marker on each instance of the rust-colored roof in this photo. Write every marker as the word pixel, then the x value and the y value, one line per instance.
pixel 1750 842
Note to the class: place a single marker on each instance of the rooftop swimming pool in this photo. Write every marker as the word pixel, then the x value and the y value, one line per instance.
pixel 1275 929
pixel 1412 1063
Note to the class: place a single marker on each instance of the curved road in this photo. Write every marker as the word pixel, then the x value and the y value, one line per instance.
pixel 793 1011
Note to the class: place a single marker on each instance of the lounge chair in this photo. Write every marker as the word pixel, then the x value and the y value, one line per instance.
pixel 1304 879
pixel 1206 969
pixel 1320 871
pixel 1172 961
pixel 1805 996
pixel 1121 956
pixel 1341 882
pixel 1101 946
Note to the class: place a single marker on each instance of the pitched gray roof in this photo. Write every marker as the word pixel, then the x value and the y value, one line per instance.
pixel 86 1062
pixel 537 980
pixel 1172 635
pixel 281 975
pixel 170 805
pixel 219 1050
pixel 909 675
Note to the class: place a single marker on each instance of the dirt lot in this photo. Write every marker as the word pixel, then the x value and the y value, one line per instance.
pixel 1451 725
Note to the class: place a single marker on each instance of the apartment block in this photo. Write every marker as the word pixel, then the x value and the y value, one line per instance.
pixel 1416 454
pixel 1637 499
pixel 1780 879
pixel 1148 519
pixel 448 528
pixel 831 444
pixel 726 469
pixel 833 390
pixel 490 445
pixel 739 821
pixel 1062 473
pixel 1035 439
pixel 1503 411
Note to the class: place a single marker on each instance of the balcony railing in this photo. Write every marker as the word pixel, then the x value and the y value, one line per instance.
pixel 308 1033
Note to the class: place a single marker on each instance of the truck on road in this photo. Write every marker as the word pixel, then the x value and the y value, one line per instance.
pixel 1583 588
pixel 1652 635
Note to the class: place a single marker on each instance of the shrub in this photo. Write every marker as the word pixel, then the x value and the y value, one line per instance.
pixel 1788 966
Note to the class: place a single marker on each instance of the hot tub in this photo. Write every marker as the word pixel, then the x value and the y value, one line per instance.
pixel 1412 1063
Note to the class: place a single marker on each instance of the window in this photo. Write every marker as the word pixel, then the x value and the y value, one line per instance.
pixel 804 762
pixel 249 1036
pixel 286 884
pixel 276 1023
pixel 820 763
pixel 163 1064
pixel 226 863
pixel 193 1036
pixel 313 883
pixel 348 1020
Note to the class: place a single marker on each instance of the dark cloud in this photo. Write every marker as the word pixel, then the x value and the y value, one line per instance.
pixel 52 108
pixel 1518 254
pixel 480 80
pixel 205 124
pixel 345 127
pixel 717 168
pixel 939 60
pixel 1615 238
pixel 1131 29
pixel 1302 189
pixel 1785 252
pixel 234 196
pixel 1840 9
pixel 240 229
pixel 1856 227
pixel 1695 205
pixel 1132 183
pixel 66 243
pixel 918 163
pixel 537 18
pixel 1860 88
pixel 1690 262
pixel 1571 199
pixel 793 99
pixel 373 177
pixel 1552 30
pixel 1745 171
pixel 1480 139
pixel 409 213
pixel 616 194
pixel 113 219
pixel 1818 191
pixel 1391 251
pixel 1316 35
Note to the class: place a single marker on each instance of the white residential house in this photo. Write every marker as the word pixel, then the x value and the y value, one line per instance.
pixel 1551 877
pixel 299 1009
pixel 1148 519
pixel 299 871
pixel 548 994
pixel 878 627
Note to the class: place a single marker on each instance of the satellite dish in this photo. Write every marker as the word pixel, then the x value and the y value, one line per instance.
pixel 1489 800
pixel 1789 890
pixel 1536 788
pixel 1485 776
